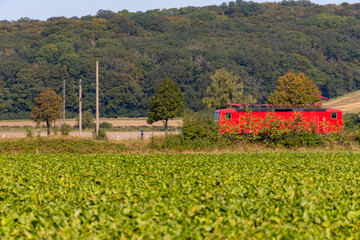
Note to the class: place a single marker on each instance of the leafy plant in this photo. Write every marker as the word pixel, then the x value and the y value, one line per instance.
pixel 87 120
pixel 105 125
pixel 29 132
pixel 65 129
pixel 101 135
pixel 351 121
pixel 200 125
pixel 184 196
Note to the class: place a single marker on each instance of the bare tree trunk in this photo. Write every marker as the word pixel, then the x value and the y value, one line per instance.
pixel 48 127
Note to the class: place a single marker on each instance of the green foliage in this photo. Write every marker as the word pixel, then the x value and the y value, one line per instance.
pixel 29 132
pixel 293 89
pixel 274 131
pixel 351 121
pixel 179 143
pixel 202 15
pixel 200 125
pixel 257 42
pixel 61 145
pixel 101 135
pixel 48 54
pixel 87 120
pixel 65 129
pixel 106 125
pixel 328 21
pixel 225 88
pixel 167 103
pixel 74 64
pixel 105 14
pixel 292 140
pixel 191 196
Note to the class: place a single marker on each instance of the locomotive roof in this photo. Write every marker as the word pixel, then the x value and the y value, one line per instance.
pixel 267 109
pixel 277 108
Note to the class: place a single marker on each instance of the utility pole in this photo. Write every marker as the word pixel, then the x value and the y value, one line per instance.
pixel 64 101
pixel 80 108
pixel 97 98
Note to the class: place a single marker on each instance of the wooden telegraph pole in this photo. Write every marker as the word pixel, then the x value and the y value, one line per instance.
pixel 64 102
pixel 97 98
pixel 80 108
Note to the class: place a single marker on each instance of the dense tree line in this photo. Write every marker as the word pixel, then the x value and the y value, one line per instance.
pixel 257 42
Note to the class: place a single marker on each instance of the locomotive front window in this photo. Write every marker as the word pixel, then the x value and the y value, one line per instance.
pixel 216 116
pixel 333 115
pixel 228 116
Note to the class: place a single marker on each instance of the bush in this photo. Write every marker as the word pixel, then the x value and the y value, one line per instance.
pixel 55 130
pixel 290 133
pixel 105 125
pixel 87 120
pixel 179 143
pixel 351 121
pixel 29 132
pixel 200 125
pixel 272 130
pixel 101 136
pixel 65 129
pixel 338 138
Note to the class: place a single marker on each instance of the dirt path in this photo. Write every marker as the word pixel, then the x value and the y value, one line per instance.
pixel 110 135
pixel 123 122
pixel 115 122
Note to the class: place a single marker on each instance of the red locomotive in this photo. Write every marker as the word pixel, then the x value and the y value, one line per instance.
pixel 263 118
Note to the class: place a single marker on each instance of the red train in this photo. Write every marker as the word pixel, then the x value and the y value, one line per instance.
pixel 266 118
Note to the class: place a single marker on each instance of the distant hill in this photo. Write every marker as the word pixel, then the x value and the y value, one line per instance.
pixel 256 41
pixel 349 103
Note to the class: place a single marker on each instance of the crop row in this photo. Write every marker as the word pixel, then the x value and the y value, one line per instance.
pixel 233 196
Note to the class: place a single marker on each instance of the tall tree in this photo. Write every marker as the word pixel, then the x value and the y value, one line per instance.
pixel 166 104
pixel 294 89
pixel 225 88
pixel 46 108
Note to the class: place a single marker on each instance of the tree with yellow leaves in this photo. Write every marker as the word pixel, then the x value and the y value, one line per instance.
pixel 46 108
pixel 293 89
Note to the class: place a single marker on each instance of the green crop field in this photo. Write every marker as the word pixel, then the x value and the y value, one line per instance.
pixel 183 196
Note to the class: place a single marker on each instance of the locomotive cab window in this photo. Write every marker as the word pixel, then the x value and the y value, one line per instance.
pixel 216 116
pixel 333 115
pixel 228 116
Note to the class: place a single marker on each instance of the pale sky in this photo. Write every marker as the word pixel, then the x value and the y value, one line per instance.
pixel 44 9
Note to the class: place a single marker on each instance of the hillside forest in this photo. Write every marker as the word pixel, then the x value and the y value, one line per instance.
pixel 256 42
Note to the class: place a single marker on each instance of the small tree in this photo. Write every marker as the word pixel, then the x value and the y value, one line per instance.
pixel 87 120
pixel 225 88
pixel 294 89
pixel 46 108
pixel 167 103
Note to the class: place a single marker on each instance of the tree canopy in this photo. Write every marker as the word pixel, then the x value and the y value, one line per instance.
pixel 46 108
pixel 258 42
pixel 167 103
pixel 225 88
pixel 295 89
